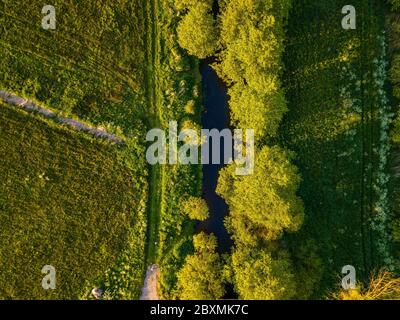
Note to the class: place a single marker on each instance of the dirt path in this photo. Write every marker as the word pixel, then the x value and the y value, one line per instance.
pixel 149 289
pixel 31 106
pixel 155 121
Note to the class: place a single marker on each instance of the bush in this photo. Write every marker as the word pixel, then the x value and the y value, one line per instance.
pixel 382 286
pixel 196 208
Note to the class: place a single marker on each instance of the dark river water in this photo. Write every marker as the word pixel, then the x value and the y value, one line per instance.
pixel 215 116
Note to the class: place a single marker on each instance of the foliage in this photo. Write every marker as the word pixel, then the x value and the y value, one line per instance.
pixel 308 268
pixel 252 35
pixel 201 275
pixel 260 112
pixel 178 85
pixel 262 205
pixel 189 4
pixel 196 208
pixel 395 5
pixel 197 31
pixel 261 274
pixel 396 230
pixel 271 205
pixel 393 30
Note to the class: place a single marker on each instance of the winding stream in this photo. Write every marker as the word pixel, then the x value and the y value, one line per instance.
pixel 215 116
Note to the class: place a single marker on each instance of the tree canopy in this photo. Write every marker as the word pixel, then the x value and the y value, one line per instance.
pixel 196 208
pixel 258 275
pixel 271 205
pixel 197 31
pixel 201 276
pixel 252 35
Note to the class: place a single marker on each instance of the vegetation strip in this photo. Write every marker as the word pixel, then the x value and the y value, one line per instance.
pixel 156 171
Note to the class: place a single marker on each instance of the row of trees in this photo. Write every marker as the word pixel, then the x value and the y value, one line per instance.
pixel 251 38
pixel 251 46
pixel 264 205
pixel 248 42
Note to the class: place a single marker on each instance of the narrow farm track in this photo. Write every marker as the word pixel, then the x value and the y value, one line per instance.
pixel 80 126
pixel 152 88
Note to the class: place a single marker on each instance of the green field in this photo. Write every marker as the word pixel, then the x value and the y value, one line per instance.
pixel 68 201
pixel 110 64
pixel 333 84
pixel 91 66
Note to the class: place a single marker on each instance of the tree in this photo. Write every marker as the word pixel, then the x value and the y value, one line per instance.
pixel 260 274
pixel 263 205
pixel 251 37
pixel 196 208
pixel 201 275
pixel 197 31
pixel 260 112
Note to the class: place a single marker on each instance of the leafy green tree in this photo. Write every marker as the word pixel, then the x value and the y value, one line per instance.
pixel 252 38
pixel 196 208
pixel 260 274
pixel 264 204
pixel 252 110
pixel 201 276
pixel 197 32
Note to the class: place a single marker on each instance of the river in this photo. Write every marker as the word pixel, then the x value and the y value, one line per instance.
pixel 215 116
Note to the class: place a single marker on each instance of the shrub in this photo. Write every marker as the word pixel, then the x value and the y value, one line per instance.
pixel 382 286
pixel 196 208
